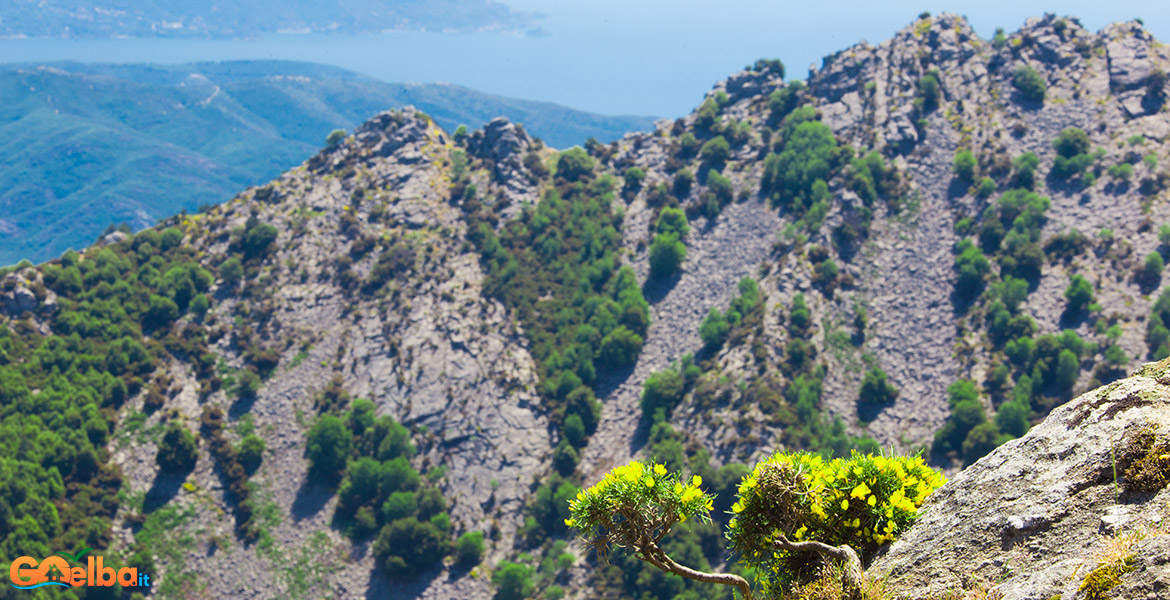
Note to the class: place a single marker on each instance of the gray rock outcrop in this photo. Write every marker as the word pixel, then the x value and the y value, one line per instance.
pixel 1032 519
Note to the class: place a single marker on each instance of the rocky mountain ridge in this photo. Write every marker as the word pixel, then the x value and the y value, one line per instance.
pixel 380 277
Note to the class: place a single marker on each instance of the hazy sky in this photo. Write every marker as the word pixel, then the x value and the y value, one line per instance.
pixel 684 46
pixel 647 57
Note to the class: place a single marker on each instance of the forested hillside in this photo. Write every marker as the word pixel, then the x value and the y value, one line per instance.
pixel 389 370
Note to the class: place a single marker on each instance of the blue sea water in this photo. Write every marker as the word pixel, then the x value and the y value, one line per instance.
pixel 644 57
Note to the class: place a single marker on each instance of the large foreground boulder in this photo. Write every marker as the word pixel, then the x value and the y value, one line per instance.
pixel 1039 515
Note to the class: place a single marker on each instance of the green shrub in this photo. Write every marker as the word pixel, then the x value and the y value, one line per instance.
pixel 662 390
pixel 200 305
pixel 714 329
pixel 715 152
pixel 1071 142
pixel 1030 83
pixel 1012 417
pixel 964 165
pixel 574 163
pixel 1151 271
pixel 672 220
pixel 574 430
pixel 683 180
pixel 161 312
pixel 1079 294
pixel 986 187
pixel 1067 369
pixel 1157 333
pixel 469 547
pixel 1121 172
pixel 1025 170
pixel 251 452
pixel 407 547
pixel 928 91
pixel 328 446
pixel 707 114
pixel 633 179
pixel 620 348
pixel 232 271
pixel 248 385
pixel 513 581
pixel 810 153
pixel 258 240
pixel 769 65
pixel 876 389
pixel 335 138
pixel 982 438
pixel 1115 356
pixel 972 266
pixel 176 451
pixel 667 254
pixel 966 414
pixel 400 505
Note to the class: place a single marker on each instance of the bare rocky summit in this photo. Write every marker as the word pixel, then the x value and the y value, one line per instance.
pixel 1036 516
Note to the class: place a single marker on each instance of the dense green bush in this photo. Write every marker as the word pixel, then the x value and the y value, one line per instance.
pixel 810 153
pixel 715 152
pixel 176 451
pixel 251 452
pixel 964 165
pixel 257 239
pixel 633 180
pixel 328 446
pixel 1024 167
pixel 667 254
pixel 773 66
pixel 681 185
pixel 1079 294
pixel 662 390
pixel 1157 332
pixel 1072 153
pixel 986 187
pixel 876 389
pixel 1030 83
pixel 407 547
pixel 469 547
pixel 574 163
pixel 619 349
pixel 784 100
pixel 972 266
pixel 928 92
pixel 513 581
pixel 1071 142
pixel 672 220
pixel 1121 171
pixel 1151 270
pixel 966 414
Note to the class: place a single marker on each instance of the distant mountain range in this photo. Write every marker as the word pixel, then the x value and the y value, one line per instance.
pixel 167 18
pixel 91 145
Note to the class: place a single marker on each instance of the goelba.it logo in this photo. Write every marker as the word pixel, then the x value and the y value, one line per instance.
pixel 28 573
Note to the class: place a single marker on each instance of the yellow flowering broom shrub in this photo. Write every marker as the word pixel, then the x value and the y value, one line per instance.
pixel 637 500
pixel 791 512
pixel 862 502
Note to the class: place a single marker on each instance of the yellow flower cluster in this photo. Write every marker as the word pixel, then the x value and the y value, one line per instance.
pixel 863 501
pixel 656 494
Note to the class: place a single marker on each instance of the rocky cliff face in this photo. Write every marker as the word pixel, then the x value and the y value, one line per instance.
pixel 1084 489
pixel 376 285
